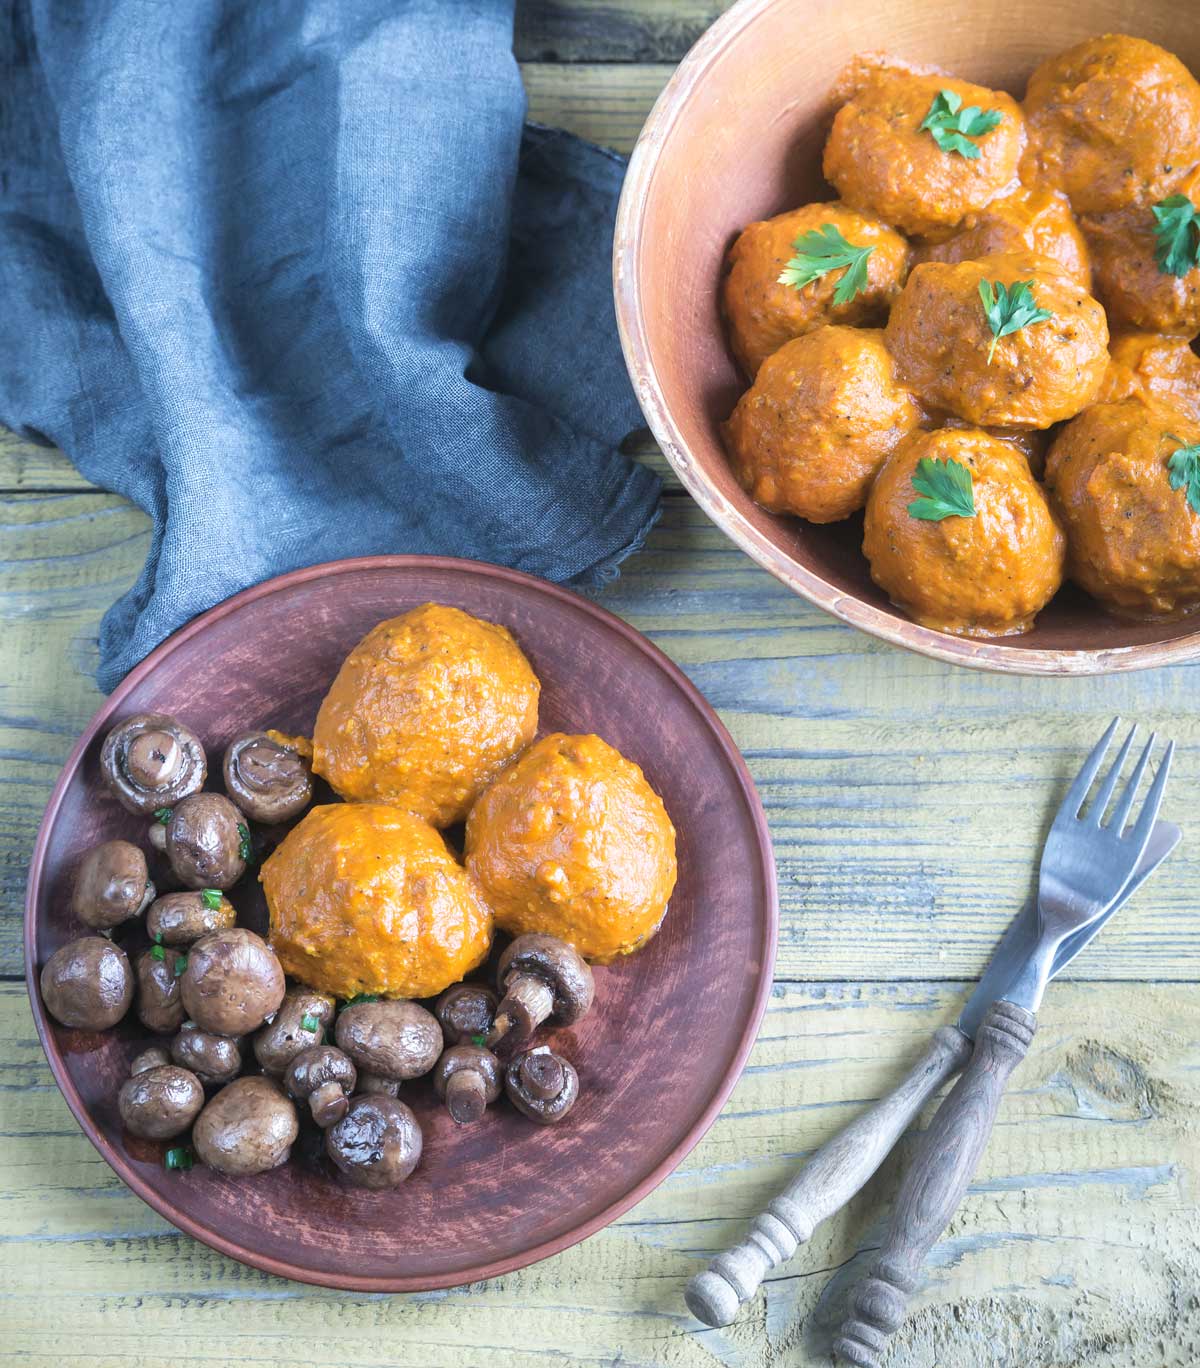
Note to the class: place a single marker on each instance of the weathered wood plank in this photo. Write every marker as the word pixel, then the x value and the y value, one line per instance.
pixel 906 798
pixel 611 30
pixel 1079 1240
pixel 606 104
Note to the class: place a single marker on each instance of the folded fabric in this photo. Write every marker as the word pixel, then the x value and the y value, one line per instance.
pixel 296 279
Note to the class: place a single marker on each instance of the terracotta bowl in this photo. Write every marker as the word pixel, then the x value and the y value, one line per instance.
pixel 737 136
pixel 657 1055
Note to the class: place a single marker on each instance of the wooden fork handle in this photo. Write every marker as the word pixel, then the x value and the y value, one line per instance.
pixel 942 1167
pixel 827 1182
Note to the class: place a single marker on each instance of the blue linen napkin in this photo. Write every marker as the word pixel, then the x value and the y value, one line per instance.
pixel 295 278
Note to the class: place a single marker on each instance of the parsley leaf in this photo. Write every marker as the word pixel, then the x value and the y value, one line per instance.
pixel 1177 228
pixel 1184 466
pixel 947 489
pixel 1009 308
pixel 360 997
pixel 820 251
pixel 162 815
pixel 953 127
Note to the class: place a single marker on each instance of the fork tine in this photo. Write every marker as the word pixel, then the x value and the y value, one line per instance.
pixel 1149 812
pixel 1083 780
pixel 1125 802
pixel 1105 791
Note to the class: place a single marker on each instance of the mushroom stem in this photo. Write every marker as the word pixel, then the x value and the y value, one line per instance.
pixel 542 1075
pixel 328 1104
pixel 466 1098
pixel 528 1001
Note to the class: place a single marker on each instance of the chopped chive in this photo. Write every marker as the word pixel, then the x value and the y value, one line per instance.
pixel 179 1158
pixel 479 1039
pixel 308 1022
pixel 212 898
pixel 180 965
pixel 360 997
pixel 162 815
pixel 245 849
pixel 157 952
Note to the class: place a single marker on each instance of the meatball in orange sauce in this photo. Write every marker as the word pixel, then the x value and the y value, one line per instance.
pixel 985 574
pixel 823 415
pixel 763 313
pixel 1148 366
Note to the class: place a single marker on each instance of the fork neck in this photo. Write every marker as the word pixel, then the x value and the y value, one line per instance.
pixel 1030 984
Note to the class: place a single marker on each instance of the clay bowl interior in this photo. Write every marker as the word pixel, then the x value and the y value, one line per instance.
pixel 737 136
pixel 658 1054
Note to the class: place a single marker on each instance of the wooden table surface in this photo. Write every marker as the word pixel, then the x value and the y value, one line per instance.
pixel 906 801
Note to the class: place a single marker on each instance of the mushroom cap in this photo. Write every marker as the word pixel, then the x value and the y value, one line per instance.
pixel 181 918
pixel 377 1144
pixel 523 1085
pixel 232 983
pixel 269 780
pixel 557 964
pixel 159 1002
pixel 160 1103
pixel 284 1036
pixel 248 1127
pixel 475 1058
pixel 88 984
pixel 313 1069
pixel 153 1057
pixel 397 1039
pixel 376 1083
pixel 212 1058
pixel 112 884
pixel 465 1010
pixel 151 761
pixel 205 838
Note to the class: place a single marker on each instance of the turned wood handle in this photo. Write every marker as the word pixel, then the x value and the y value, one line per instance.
pixel 942 1167
pixel 827 1182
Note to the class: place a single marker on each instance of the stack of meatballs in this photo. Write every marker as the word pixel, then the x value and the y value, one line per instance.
pixel 430 723
pixel 1077 443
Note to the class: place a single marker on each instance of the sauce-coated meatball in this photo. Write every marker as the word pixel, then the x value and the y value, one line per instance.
pixel 1153 367
pixel 986 575
pixel 763 314
pixel 881 160
pixel 1041 374
pixel 822 417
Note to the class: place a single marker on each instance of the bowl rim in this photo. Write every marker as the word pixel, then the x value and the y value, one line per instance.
pixel 982 654
pixel 534 1254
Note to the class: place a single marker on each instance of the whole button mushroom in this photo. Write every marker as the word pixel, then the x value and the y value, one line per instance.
pixel 467 1078
pixel 160 1103
pixel 159 1002
pixel 323 1077
pixel 207 841
pixel 112 885
pixel 376 1083
pixel 151 761
pixel 464 1011
pixel 153 1058
pixel 394 1039
pixel 233 982
pixel 542 1085
pixel 299 1024
pixel 212 1058
pixel 543 979
pixel 88 984
pixel 248 1127
pixel 181 918
pixel 377 1144
pixel 268 779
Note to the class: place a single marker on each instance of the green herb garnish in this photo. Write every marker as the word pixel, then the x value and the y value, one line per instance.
pixel 1184 465
pixel 479 1039
pixel 245 849
pixel 156 950
pixel 179 1158
pixel 162 815
pixel 180 965
pixel 820 251
pixel 1009 308
pixel 212 898
pixel 946 488
pixel 308 1022
pixel 953 127
pixel 1177 229
pixel 360 997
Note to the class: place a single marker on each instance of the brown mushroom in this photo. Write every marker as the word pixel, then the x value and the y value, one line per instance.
pixel 268 779
pixel 207 841
pixel 112 885
pixel 88 984
pixel 151 761
pixel 159 1002
pixel 377 1144
pixel 161 1102
pixel 467 1078
pixel 542 1085
pixel 212 1058
pixel 465 1011
pixel 542 979
pixel 233 982
pixel 248 1127
pixel 395 1039
pixel 181 918
pixel 152 1058
pixel 376 1083
pixel 298 1024
pixel 323 1077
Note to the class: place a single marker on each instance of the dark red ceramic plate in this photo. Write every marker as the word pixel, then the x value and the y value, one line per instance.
pixel 657 1056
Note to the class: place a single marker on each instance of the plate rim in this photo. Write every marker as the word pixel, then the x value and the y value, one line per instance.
pixel 278 1267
